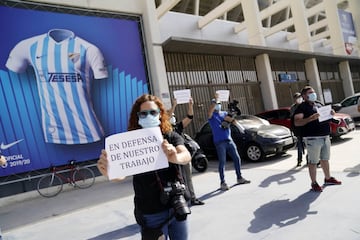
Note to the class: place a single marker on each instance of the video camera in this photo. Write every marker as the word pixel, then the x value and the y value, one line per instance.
pixel 233 111
pixel 233 108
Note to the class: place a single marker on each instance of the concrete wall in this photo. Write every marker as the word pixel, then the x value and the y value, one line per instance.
pixel 180 25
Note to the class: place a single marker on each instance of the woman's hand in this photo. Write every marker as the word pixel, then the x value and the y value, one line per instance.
pixel 176 155
pixel 168 149
pixel 102 163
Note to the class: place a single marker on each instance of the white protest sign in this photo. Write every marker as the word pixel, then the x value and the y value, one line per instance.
pixel 182 96
pixel 223 95
pixel 135 152
pixel 325 113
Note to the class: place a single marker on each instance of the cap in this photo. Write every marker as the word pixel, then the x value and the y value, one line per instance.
pixel 215 101
pixel 296 95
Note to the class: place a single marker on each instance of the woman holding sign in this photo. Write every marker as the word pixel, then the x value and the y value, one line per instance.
pixel 160 205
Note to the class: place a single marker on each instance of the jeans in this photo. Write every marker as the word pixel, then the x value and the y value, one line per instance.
pixel 174 230
pixel 300 148
pixel 223 149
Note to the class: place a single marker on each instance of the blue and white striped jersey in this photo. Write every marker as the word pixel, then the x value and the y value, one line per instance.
pixel 64 65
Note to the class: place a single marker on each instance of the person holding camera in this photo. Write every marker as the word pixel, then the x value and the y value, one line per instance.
pixel 296 129
pixel 220 122
pixel 179 128
pixel 160 206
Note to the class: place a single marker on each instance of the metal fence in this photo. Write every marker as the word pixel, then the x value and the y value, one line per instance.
pixel 204 74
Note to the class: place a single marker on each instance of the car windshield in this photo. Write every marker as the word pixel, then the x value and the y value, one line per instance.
pixel 249 121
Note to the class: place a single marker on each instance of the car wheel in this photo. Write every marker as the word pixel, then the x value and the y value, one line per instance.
pixel 254 152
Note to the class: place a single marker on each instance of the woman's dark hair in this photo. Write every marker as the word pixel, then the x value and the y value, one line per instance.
pixel 165 124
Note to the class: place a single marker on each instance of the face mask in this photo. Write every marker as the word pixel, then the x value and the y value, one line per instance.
pixel 149 121
pixel 299 100
pixel 173 120
pixel 218 107
pixel 312 97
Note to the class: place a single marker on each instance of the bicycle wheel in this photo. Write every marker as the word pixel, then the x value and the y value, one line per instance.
pixel 83 177
pixel 49 185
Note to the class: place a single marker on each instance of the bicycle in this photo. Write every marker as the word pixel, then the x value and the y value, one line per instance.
pixel 51 184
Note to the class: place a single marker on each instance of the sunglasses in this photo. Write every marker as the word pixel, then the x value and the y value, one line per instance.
pixel 143 114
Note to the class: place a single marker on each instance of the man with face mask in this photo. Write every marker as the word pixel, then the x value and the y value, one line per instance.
pixel 316 136
pixel 297 130
pixel 223 141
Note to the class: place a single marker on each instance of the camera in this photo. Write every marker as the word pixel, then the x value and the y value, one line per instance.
pixel 174 194
pixel 233 111
pixel 233 108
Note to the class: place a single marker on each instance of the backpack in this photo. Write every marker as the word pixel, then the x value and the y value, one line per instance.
pixel 295 129
pixel 190 144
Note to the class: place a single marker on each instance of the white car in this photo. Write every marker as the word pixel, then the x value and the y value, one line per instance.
pixel 350 106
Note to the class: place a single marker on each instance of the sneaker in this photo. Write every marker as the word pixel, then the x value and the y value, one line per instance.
pixel 332 181
pixel 196 202
pixel 299 162
pixel 316 187
pixel 224 186
pixel 242 181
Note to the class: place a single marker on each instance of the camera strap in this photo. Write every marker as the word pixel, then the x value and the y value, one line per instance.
pixel 178 176
pixel 159 181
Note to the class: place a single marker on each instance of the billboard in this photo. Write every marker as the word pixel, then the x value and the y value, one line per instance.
pixel 348 30
pixel 68 78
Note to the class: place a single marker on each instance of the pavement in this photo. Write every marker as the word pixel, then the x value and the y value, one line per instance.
pixel 276 205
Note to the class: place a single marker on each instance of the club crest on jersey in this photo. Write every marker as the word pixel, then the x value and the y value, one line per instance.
pixel 74 57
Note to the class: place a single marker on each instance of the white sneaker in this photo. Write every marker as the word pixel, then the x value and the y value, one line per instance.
pixel 242 181
pixel 224 186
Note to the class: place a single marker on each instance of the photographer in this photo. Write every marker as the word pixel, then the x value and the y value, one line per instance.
pixel 296 129
pixel 160 206
pixel 220 124
pixel 179 128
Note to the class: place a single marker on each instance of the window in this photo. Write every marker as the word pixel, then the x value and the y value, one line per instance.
pixel 349 102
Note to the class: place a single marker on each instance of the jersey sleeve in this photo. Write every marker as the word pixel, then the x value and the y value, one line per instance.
pixel 97 62
pixel 18 60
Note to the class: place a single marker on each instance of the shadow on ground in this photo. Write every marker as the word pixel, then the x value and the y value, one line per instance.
pixel 281 178
pixel 282 213
pixel 119 233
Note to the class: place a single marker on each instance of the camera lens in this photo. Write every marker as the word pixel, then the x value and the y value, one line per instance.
pixel 181 208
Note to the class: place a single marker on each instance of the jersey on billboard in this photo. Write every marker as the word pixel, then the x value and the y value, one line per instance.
pixel 58 98
pixel 63 63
